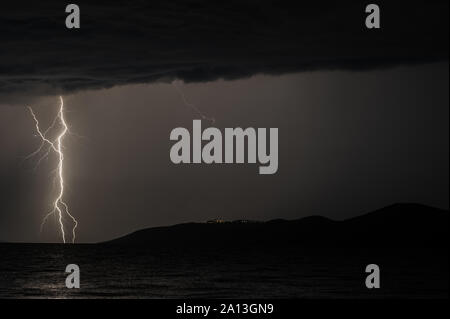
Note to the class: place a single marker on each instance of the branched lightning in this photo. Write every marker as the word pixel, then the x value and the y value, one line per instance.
pixel 60 208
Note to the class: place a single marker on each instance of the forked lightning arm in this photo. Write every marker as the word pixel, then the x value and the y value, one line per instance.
pixel 60 208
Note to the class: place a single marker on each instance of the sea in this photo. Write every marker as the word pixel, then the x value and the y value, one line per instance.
pixel 109 271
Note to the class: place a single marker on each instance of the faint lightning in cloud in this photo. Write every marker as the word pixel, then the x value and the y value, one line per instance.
pixel 60 208
pixel 192 106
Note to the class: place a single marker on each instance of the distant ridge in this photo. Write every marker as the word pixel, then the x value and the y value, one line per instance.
pixel 398 228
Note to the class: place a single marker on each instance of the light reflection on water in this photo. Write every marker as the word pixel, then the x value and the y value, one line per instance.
pixel 37 271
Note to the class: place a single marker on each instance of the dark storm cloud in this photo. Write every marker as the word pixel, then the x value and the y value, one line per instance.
pixel 124 42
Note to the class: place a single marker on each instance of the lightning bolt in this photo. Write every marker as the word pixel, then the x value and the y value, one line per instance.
pixel 60 208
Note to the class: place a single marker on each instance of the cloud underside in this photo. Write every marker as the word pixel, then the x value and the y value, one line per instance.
pixel 194 41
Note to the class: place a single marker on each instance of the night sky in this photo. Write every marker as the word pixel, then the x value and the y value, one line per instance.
pixel 362 115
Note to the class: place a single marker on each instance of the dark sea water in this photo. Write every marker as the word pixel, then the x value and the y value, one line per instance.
pixel 37 271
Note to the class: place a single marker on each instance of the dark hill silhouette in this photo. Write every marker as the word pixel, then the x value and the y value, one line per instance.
pixel 397 229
